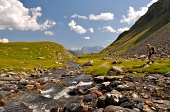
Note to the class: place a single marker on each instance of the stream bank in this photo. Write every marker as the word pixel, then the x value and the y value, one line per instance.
pixel 68 90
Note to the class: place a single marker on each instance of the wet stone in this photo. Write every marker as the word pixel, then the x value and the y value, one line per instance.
pixel 98 110
pixel 127 86
pixel 74 107
pixel 112 108
pixel 113 97
pixel 167 74
pixel 89 97
pixel 101 103
pixel 16 107
pixel 99 79
pixel 127 105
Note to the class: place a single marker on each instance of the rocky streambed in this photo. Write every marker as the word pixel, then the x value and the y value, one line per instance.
pixel 68 90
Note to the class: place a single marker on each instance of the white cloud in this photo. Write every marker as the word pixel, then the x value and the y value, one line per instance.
pixel 91 30
pixel 47 24
pixel 4 40
pixel 133 15
pixel 49 33
pixel 77 28
pixel 153 1
pixel 10 29
pixel 120 30
pixel 109 29
pixel 87 38
pixel 78 16
pixel 102 16
pixel 15 16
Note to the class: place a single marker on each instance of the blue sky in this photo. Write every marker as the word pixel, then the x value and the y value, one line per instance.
pixel 71 23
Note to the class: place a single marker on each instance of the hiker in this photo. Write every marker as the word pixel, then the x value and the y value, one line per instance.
pixel 149 54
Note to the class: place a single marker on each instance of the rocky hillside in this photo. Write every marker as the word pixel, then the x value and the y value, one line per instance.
pixel 152 28
pixel 33 50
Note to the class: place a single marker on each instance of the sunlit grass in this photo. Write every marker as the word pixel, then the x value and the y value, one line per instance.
pixel 100 71
pixel 32 50
pixel 28 65
pixel 160 66
pixel 101 67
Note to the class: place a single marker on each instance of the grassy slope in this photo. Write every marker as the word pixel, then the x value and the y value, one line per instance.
pixel 32 50
pixel 27 66
pixel 142 29
pixel 16 56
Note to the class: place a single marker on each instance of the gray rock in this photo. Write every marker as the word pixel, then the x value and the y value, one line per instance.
pixel 115 70
pixel 89 97
pixel 127 86
pixel 99 79
pixel 11 73
pixel 127 105
pixel 105 84
pixel 167 74
pixel 152 78
pixel 23 81
pixel 89 63
pixel 98 110
pixel 16 107
pixel 136 110
pixel 113 78
pixel 7 79
pixel 162 105
pixel 146 108
pixel 101 103
pixel 113 97
pixel 112 108
pixel 74 107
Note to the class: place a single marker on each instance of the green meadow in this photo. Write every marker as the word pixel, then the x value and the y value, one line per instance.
pixel 23 56
pixel 100 66
pixel 136 66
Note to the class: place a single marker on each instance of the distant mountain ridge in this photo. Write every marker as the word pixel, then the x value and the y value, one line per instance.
pixel 74 53
pixel 152 28
pixel 89 50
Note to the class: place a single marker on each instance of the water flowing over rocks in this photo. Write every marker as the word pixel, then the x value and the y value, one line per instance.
pixel 68 90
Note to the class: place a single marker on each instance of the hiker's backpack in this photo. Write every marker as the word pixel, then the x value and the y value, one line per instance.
pixel 153 50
